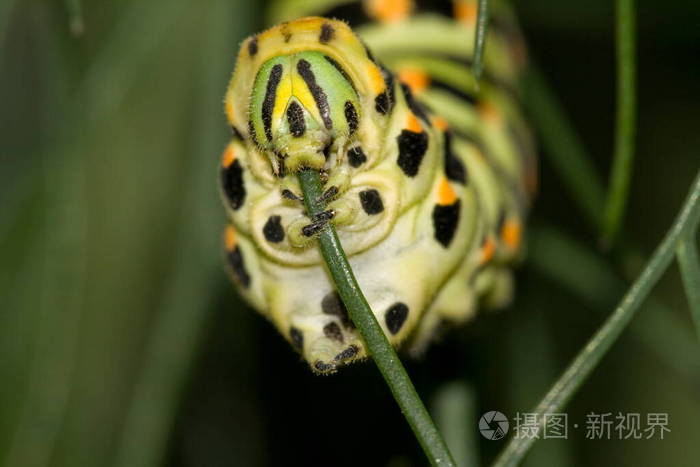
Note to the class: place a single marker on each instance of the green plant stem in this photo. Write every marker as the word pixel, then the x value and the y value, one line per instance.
pixel 372 334
pixel 577 372
pixel 626 121
pixel 482 24
pixel 562 146
pixel 689 264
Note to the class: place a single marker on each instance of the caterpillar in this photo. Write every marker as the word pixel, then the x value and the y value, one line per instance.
pixel 428 180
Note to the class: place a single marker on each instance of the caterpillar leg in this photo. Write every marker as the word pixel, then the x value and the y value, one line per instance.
pixel 325 336
pixel 496 287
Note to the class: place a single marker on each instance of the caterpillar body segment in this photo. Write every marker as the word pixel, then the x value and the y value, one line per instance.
pixel 428 201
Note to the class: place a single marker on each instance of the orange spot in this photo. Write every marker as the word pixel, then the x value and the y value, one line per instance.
pixel 446 195
pixel 412 123
pixel 416 78
pixel 511 234
pixel 487 250
pixel 230 238
pixel 465 12
pixel 376 79
pixel 490 113
pixel 228 157
pixel 441 123
pixel 389 10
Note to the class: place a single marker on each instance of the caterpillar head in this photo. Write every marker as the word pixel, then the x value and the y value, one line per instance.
pixel 303 91
pixel 301 106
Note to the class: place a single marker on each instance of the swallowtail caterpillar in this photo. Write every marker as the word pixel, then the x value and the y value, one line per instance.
pixel 427 180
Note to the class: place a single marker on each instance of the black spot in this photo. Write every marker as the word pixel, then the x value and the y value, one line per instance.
pixel 295 118
pixel 236 134
pixel 273 231
pixel 333 305
pixel 327 151
pixel 347 353
pixel 413 104
pixel 232 184
pixel 384 102
pixel 288 194
pixel 304 69
pixel 237 263
pixel 297 338
pixel 327 33
pixel 333 332
pixel 454 168
pixel 341 70
pixel 356 156
pixel 371 201
pixel 253 46
pixel 269 101
pixel 458 93
pixel 395 317
pixel 351 116
pixel 323 367
pixel 381 103
pixel 445 220
pixel 412 147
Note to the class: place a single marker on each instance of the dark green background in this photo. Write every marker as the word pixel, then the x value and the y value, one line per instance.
pixel 122 343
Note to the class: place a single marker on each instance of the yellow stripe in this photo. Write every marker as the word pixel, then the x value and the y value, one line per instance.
pixel 301 91
pixel 375 78
pixel 284 93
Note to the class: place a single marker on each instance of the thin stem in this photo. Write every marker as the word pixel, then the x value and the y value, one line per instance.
pixel 578 371
pixel 592 279
pixel 626 122
pixel 689 264
pixel 482 23
pixel 372 334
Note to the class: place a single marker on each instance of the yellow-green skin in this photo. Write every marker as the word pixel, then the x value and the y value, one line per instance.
pixel 437 242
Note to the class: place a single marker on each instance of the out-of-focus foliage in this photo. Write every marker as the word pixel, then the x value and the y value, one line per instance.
pixel 121 342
